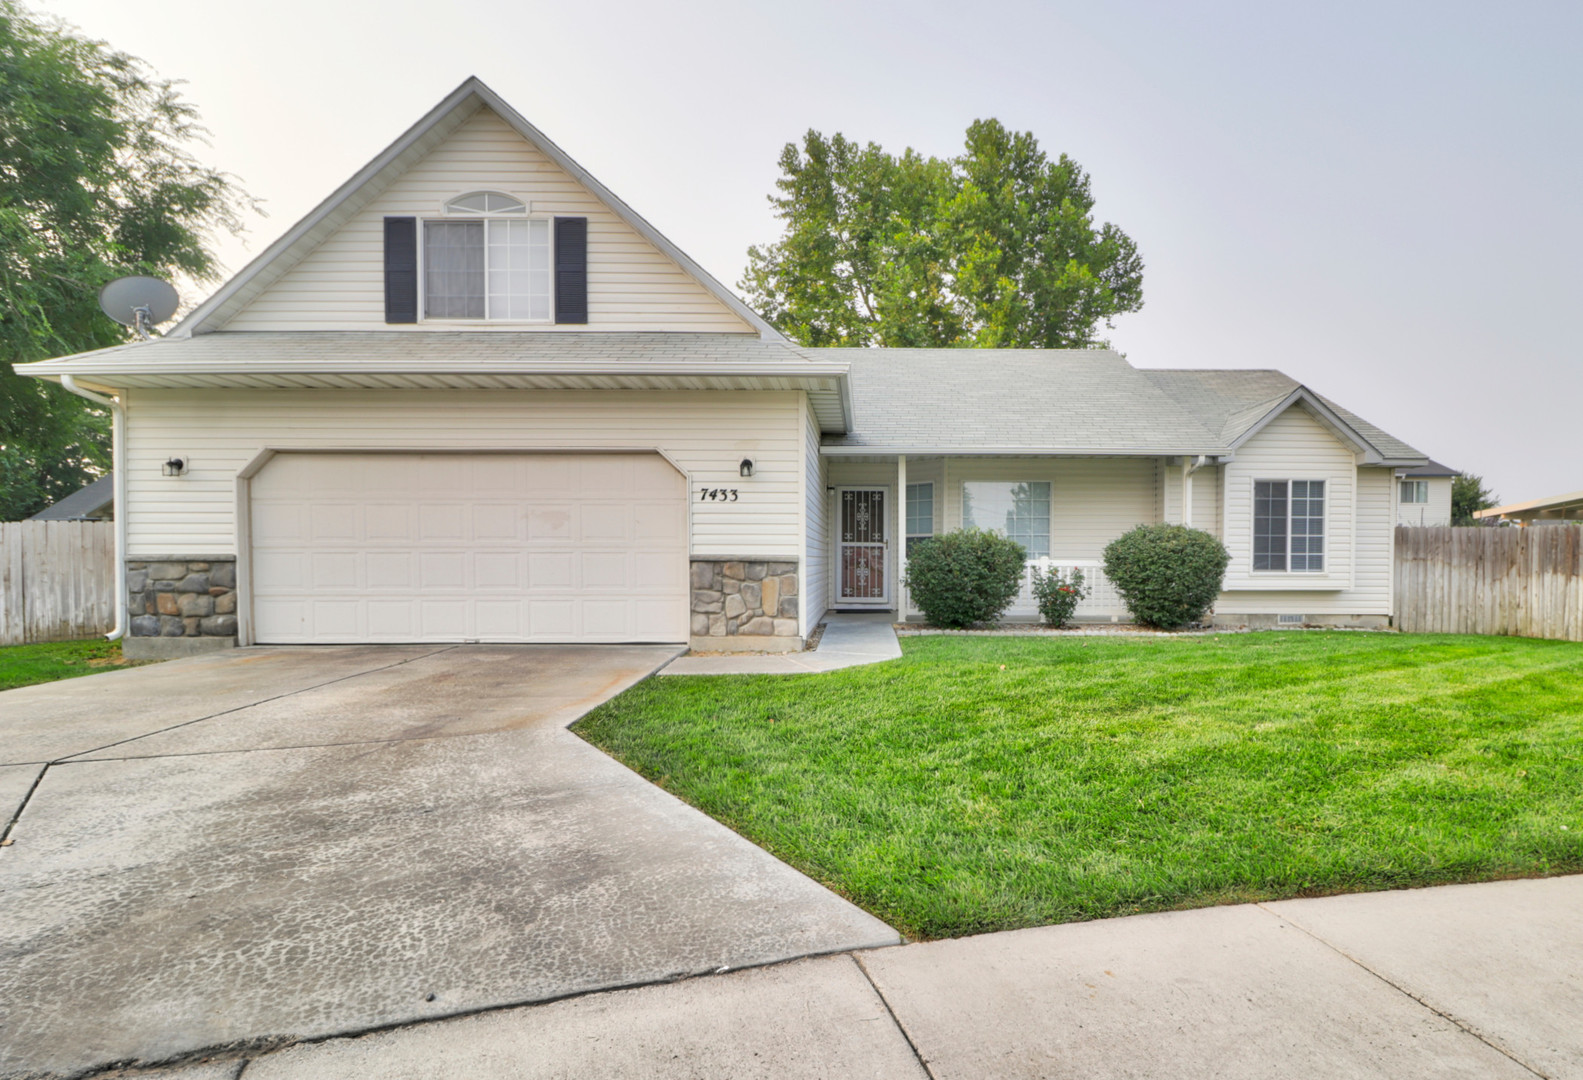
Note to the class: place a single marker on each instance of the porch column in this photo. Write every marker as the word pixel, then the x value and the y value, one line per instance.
pixel 901 537
pixel 1187 491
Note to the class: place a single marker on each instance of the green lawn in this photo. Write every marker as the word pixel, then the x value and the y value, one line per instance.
pixel 23 665
pixel 990 783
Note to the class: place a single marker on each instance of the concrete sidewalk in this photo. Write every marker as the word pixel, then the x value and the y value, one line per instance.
pixel 849 640
pixel 1468 981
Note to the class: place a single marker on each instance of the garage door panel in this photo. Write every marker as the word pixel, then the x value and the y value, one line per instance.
pixel 552 620
pixel 551 571
pixel 390 620
pixel 427 547
pixel 654 522
pixel 442 570
pixel 336 571
pixel 442 521
pixel 390 570
pixel 604 570
pixel 497 571
pixel 389 523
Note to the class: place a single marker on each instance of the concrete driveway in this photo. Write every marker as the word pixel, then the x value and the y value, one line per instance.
pixel 245 849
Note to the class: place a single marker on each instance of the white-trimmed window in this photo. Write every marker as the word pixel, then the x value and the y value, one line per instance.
pixel 1289 525
pixel 920 514
pixel 1415 491
pixel 1020 511
pixel 487 259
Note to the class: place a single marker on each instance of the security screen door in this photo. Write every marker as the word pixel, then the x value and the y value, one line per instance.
pixel 863 547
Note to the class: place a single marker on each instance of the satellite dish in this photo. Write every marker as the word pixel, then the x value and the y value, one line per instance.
pixel 139 302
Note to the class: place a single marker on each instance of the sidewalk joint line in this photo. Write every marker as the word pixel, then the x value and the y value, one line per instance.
pixel 1405 992
pixel 905 1034
pixel 69 758
pixel 21 806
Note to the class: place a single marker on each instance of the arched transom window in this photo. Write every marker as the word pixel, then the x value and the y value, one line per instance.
pixel 494 266
pixel 485 202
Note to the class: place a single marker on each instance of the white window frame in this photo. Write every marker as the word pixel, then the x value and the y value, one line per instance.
pixel 906 515
pixel 1419 487
pixel 1049 522
pixel 449 214
pixel 1324 524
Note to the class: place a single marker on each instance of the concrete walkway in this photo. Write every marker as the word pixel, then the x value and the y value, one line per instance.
pixel 849 640
pixel 1474 981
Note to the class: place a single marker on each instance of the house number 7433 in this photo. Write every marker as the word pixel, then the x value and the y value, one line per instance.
pixel 717 494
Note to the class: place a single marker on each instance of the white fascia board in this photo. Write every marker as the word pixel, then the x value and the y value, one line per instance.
pixel 86 365
pixel 1326 415
pixel 474 92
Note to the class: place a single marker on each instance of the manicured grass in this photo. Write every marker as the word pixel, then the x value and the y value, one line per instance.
pixel 990 783
pixel 23 665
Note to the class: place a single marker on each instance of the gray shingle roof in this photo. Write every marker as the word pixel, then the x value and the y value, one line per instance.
pixel 1434 468
pixel 82 503
pixel 1016 400
pixel 1230 402
pixel 1030 401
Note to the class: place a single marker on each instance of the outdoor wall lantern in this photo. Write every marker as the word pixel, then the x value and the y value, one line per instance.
pixel 174 467
pixel 746 468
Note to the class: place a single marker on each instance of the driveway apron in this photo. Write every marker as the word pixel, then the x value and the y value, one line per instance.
pixel 350 840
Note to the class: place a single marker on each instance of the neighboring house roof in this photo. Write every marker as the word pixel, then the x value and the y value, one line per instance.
pixel 1433 469
pixel 82 503
pixel 1565 506
pixel 418 140
pixel 488 360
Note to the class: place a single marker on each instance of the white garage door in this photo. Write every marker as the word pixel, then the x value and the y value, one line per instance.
pixel 469 547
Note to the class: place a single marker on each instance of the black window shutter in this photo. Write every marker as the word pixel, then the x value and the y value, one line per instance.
pixel 571 270
pixel 401 270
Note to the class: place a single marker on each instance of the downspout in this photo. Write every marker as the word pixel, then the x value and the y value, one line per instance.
pixel 118 469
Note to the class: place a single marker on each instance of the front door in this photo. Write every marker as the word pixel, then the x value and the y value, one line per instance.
pixel 864 547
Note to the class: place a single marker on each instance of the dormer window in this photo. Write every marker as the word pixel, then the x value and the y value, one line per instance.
pixel 487 259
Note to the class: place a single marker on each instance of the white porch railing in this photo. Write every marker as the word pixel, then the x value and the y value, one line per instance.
pixel 1103 602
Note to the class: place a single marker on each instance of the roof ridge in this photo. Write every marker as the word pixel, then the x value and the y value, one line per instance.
pixel 303 237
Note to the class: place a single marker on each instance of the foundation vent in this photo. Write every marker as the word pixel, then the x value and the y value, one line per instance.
pixel 1291 620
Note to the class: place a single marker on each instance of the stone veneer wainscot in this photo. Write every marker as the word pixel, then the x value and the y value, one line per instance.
pixel 179 606
pixel 744 604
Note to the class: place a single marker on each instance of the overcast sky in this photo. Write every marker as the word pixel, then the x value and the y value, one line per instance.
pixel 1384 200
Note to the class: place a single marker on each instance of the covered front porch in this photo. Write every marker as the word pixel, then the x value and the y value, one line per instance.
pixel 1063 509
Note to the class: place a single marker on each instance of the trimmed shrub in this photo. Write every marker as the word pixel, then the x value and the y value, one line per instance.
pixel 1058 595
pixel 966 577
pixel 1169 575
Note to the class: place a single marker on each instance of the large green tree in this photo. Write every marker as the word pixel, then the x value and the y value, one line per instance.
pixel 1469 494
pixel 97 180
pixel 996 248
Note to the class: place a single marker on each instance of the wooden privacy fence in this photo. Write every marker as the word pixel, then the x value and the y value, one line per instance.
pixel 1523 582
pixel 57 580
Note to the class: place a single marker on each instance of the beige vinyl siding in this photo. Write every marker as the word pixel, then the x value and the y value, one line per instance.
pixel 1206 499
pixel 815 583
pixel 631 284
pixel 1206 484
pixel 1437 511
pixel 1093 500
pixel 1359 516
pixel 706 434
pixel 1373 551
